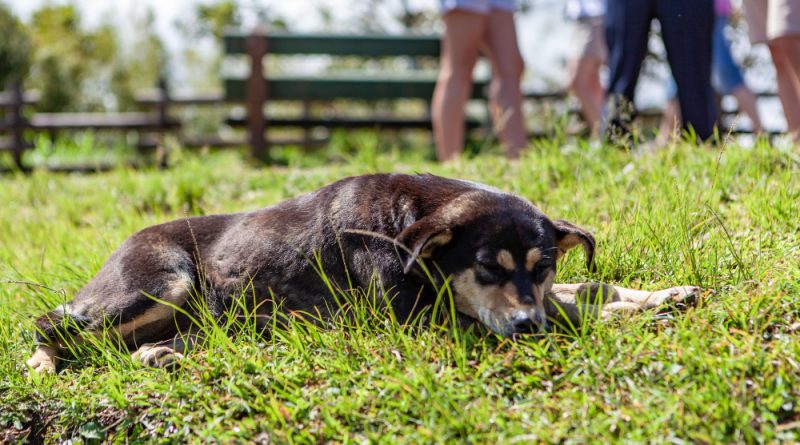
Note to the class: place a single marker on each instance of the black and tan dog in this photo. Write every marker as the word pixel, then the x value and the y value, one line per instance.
pixel 497 250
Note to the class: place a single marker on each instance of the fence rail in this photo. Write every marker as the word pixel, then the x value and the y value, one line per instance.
pixel 151 125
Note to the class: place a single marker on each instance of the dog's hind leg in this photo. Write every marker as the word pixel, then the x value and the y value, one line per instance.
pixel 52 329
pixel 142 295
pixel 166 353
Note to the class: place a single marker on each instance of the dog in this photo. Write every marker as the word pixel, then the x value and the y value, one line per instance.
pixel 410 234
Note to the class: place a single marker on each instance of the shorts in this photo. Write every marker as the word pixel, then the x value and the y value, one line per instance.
pixel 479 6
pixel 726 76
pixel 589 40
pixel 770 19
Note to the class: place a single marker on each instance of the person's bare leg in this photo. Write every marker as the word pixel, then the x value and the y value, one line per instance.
pixel 670 125
pixel 748 103
pixel 464 32
pixel 585 84
pixel 507 66
pixel 786 57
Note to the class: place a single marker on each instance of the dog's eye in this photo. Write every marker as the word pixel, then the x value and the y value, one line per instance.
pixel 490 272
pixel 490 267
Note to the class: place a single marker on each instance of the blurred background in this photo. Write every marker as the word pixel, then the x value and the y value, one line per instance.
pixel 90 55
pixel 103 49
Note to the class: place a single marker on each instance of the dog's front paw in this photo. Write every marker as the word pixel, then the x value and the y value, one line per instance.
pixel 156 356
pixel 680 296
pixel 40 365
pixel 43 361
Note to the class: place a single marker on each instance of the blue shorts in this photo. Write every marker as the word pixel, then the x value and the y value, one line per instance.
pixel 726 75
pixel 479 6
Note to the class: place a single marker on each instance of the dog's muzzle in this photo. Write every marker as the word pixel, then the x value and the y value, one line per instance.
pixel 524 323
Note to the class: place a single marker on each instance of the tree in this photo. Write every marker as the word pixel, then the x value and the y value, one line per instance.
pixel 15 47
pixel 138 64
pixel 211 19
pixel 70 61
pixel 204 27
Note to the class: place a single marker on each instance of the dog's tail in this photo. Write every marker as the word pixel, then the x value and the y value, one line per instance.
pixel 59 325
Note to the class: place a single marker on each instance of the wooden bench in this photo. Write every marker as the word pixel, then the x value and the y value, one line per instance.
pixel 259 87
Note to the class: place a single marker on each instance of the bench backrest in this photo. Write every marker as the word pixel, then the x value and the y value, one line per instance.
pixel 358 86
pixel 341 45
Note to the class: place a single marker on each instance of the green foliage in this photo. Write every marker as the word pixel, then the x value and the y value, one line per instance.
pixel 725 371
pixel 212 19
pixel 66 56
pixel 15 47
pixel 78 68
pixel 139 64
pixel 207 22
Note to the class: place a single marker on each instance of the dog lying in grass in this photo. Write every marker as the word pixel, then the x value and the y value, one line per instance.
pixel 413 235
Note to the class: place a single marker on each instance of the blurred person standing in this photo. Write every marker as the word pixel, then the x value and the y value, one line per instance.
pixel 471 27
pixel 777 23
pixel 686 29
pixel 587 56
pixel 726 78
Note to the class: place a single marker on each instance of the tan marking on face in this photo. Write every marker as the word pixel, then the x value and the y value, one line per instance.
pixel 493 305
pixel 440 239
pixel 505 260
pixel 533 257
pixel 471 295
pixel 540 291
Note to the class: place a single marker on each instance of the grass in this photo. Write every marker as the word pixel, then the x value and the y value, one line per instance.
pixel 727 370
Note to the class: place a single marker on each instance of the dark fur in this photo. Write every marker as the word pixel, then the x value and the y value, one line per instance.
pixel 349 225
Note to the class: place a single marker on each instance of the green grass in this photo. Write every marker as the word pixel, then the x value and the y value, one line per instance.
pixel 727 370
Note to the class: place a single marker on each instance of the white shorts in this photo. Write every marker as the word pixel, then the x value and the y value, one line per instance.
pixel 770 19
pixel 479 6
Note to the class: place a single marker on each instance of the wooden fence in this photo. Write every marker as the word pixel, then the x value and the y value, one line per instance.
pixel 158 121
pixel 150 125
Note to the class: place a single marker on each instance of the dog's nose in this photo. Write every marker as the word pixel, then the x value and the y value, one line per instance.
pixel 523 324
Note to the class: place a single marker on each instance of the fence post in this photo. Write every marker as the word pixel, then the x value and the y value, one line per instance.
pixel 307 141
pixel 163 104
pixel 257 94
pixel 17 121
pixel 163 119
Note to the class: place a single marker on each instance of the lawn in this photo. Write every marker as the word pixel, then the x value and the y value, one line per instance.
pixel 725 370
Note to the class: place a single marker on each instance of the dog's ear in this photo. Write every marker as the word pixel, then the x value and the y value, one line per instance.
pixel 419 240
pixel 569 235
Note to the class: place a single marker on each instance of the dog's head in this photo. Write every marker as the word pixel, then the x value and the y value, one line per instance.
pixel 501 253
